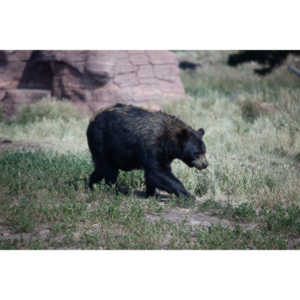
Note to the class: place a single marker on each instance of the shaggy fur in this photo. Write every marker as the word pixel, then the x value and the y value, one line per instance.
pixel 125 137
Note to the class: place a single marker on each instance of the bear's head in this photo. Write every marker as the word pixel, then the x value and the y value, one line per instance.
pixel 193 148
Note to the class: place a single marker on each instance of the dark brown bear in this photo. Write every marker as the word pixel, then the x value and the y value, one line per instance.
pixel 125 137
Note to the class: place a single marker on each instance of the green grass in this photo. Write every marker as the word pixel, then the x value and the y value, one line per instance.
pixel 52 194
pixel 252 181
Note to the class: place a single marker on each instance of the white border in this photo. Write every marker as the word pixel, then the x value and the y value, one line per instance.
pixel 121 25
pixel 149 274
pixel 156 24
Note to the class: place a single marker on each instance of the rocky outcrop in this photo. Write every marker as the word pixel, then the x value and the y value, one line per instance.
pixel 90 79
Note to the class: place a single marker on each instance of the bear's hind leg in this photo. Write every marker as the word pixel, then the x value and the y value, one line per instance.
pixel 95 177
pixel 111 175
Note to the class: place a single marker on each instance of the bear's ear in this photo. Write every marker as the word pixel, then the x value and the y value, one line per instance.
pixel 183 134
pixel 201 131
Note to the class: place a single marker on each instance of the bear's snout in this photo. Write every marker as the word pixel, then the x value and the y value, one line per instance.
pixel 200 163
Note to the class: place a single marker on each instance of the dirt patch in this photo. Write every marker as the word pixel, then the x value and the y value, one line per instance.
pixel 178 215
pixel 40 233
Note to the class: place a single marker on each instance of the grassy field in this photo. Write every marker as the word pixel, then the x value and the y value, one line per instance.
pixel 248 198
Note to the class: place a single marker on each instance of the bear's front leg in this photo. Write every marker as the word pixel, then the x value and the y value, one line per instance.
pixel 150 187
pixel 165 180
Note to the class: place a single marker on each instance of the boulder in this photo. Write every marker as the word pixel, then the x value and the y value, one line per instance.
pixel 90 79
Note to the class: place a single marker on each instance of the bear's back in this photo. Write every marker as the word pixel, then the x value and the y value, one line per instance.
pixel 136 123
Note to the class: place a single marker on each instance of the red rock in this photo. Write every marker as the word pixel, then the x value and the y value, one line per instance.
pixel 128 79
pixel 162 57
pixel 166 72
pixel 91 79
pixel 123 65
pixel 145 71
pixel 139 59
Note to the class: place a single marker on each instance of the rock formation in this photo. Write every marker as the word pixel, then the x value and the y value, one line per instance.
pixel 90 79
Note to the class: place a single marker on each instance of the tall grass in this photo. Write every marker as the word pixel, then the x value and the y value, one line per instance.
pixel 249 161
pixel 55 123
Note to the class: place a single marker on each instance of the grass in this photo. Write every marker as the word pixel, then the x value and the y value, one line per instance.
pixel 251 183
pixel 51 124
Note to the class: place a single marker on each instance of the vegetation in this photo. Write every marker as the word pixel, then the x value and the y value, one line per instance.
pixel 248 198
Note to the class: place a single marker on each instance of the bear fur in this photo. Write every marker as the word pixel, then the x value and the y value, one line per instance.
pixel 125 137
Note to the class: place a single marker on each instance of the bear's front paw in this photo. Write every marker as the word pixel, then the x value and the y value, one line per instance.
pixel 186 201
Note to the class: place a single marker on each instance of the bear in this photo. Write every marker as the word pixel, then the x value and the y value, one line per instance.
pixel 126 137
